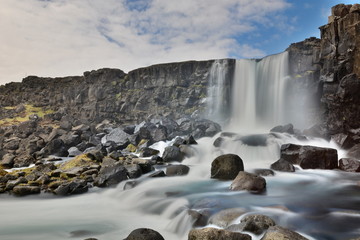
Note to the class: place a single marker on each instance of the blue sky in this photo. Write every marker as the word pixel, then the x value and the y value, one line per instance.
pixel 67 37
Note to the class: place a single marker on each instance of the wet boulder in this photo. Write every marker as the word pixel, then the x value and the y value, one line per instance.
pixel 256 224
pixel 277 232
pixel 225 217
pixel 110 174
pixel 282 166
pixel 226 167
pixel 349 164
pixel 264 172
pixel 177 170
pixel 118 136
pixel 310 157
pixel 255 140
pixel 216 234
pixel 23 190
pixel 288 128
pixel 144 234
pixel 248 181
pixel 148 152
pixel 173 153
pixel 71 187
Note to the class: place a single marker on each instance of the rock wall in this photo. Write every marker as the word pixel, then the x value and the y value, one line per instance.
pixel 340 71
pixel 174 90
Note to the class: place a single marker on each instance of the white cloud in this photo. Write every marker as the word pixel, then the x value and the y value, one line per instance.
pixel 68 37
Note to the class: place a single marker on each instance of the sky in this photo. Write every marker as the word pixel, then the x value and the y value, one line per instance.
pixel 55 38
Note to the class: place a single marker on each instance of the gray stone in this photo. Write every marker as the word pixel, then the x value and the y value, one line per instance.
pixel 110 175
pixel 144 234
pixel 277 233
pixel 349 164
pixel 249 182
pixel 226 217
pixel 74 151
pixel 23 190
pixel 172 154
pixel 282 166
pixel 177 170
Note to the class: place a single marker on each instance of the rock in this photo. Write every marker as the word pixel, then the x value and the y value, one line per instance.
pixel 218 142
pixel 249 182
pixel 264 172
pixel 146 165
pixel 110 175
pixel 159 133
pixel 190 141
pixel 73 187
pixel 133 170
pixel 226 167
pixel 177 170
pixel 349 165
pixel 55 147
pixel 256 224
pixel 216 234
pixel 310 157
pixel 277 233
pixel 172 154
pixel 144 234
pixel 74 151
pixel 343 140
pixel 8 160
pixel 288 128
pixel 225 217
pixel 23 190
pixel 129 129
pixel 282 166
pixel 354 152
pixel 25 129
pixel 255 140
pixel 118 136
pixel 159 173
pixel 148 152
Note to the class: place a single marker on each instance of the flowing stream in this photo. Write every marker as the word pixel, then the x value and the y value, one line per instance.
pixel 320 204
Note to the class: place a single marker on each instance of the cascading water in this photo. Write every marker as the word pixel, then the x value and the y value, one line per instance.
pixel 307 201
pixel 258 93
pixel 217 91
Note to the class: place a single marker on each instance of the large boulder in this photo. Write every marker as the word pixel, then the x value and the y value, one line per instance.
pixel 282 166
pixel 118 136
pixel 22 190
pixel 278 233
pixel 256 224
pixel 310 157
pixel 248 181
pixel 144 234
pixel 173 153
pixel 110 174
pixel 72 187
pixel 226 167
pixel 225 217
pixel 177 170
pixel 349 164
pixel 216 234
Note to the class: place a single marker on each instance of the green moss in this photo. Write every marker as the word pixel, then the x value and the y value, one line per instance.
pixel 118 96
pixel 202 95
pixel 113 83
pixel 131 148
pixel 2 171
pixel 298 76
pixel 78 161
pixel 24 116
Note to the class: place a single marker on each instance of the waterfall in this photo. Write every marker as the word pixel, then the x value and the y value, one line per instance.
pixel 217 101
pixel 259 92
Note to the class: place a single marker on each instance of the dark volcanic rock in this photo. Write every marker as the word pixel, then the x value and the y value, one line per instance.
pixel 349 164
pixel 72 187
pixel 144 234
pixel 216 234
pixel 173 153
pixel 177 170
pixel 256 224
pixel 226 167
pixel 22 190
pixel 283 166
pixel 249 182
pixel 310 157
pixel 110 175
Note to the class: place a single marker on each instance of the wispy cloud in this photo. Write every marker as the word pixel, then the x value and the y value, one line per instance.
pixel 67 37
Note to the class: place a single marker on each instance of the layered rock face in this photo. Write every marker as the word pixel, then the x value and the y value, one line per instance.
pixel 172 90
pixel 340 72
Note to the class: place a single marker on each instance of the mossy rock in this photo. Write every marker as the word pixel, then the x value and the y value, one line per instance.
pixel 2 171
pixel 79 161
pixel 131 148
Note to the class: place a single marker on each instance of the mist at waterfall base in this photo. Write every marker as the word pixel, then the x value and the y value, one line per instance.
pixel 319 204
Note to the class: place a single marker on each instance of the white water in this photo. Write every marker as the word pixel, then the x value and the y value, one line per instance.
pixel 258 94
pixel 318 203
pixel 216 97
